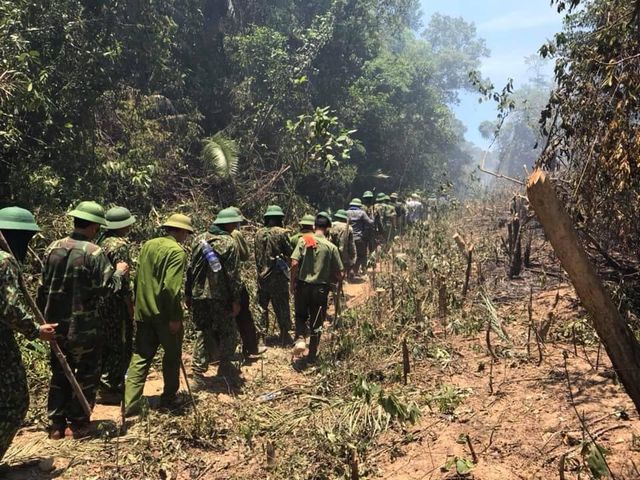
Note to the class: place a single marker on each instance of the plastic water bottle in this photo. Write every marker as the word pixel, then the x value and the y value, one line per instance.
pixel 281 264
pixel 211 256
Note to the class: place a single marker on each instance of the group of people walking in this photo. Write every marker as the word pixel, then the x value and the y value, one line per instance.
pixel 110 325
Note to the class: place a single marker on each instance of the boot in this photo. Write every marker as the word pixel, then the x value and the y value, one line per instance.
pixel 285 339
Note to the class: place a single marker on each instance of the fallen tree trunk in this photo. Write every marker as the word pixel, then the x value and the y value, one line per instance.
pixel 616 336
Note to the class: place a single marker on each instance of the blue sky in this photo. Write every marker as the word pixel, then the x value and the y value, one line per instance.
pixel 512 30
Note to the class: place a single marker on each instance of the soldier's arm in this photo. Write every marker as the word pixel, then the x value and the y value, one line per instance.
pixel 105 277
pixel 14 312
pixel 232 268
pixel 242 245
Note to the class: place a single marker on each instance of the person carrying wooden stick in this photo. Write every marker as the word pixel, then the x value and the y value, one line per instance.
pixel 77 274
pixel 315 265
pixel 18 227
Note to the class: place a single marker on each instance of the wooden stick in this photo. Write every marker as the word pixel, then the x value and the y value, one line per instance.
pixel 55 348
pixel 613 330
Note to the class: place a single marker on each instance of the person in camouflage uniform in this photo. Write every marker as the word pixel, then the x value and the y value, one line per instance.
pixel 273 251
pixel 390 219
pixel 244 320
pixel 341 235
pixel 215 298
pixel 369 208
pixel 379 218
pixel 76 275
pixel 400 211
pixel 306 227
pixel 116 309
pixel 17 226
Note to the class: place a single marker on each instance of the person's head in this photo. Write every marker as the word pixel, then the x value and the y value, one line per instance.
pixel 178 226
pixel 355 203
pixel 394 197
pixel 322 223
pixel 367 197
pixel 87 219
pixel 119 221
pixel 273 216
pixel 340 216
pixel 307 222
pixel 18 226
pixel 380 198
pixel 228 219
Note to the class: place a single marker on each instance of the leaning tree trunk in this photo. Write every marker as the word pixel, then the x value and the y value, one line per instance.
pixel 617 337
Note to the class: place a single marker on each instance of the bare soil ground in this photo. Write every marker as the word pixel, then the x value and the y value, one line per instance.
pixel 515 418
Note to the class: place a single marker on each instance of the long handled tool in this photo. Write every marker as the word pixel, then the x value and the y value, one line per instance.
pixel 55 348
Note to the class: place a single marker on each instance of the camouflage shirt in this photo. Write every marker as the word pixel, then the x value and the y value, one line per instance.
pixel 271 242
pixel 118 249
pixel 203 283
pixel 341 235
pixel 76 275
pixel 14 314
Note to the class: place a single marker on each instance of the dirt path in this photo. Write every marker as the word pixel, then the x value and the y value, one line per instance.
pixel 273 372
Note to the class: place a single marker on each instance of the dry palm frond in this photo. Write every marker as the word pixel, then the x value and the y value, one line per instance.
pixel 221 154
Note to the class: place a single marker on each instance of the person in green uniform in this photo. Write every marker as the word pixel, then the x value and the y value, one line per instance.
pixel 158 312
pixel 379 218
pixel 315 265
pixel 341 235
pixel 116 309
pixel 390 219
pixel 400 211
pixel 244 320
pixel 306 227
pixel 370 234
pixel 273 251
pixel 77 275
pixel 18 227
pixel 213 290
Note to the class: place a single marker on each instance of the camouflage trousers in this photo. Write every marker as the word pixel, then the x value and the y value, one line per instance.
pixel 14 393
pixel 217 341
pixel 275 290
pixel 84 360
pixel 118 347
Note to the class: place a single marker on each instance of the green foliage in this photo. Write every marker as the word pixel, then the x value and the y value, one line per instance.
pixel 448 398
pixel 463 465
pixel 221 155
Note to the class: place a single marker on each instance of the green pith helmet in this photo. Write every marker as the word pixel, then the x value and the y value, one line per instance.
pixel 307 220
pixel 367 194
pixel 228 215
pixel 340 215
pixel 393 196
pixel 89 211
pixel 356 202
pixel 178 220
pixel 16 218
pixel 274 211
pixel 380 197
pixel 387 198
pixel 324 214
pixel 119 217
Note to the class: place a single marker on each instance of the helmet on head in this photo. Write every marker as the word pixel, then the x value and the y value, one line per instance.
pixel 356 202
pixel 178 220
pixel 367 194
pixel 307 220
pixel 16 218
pixel 340 215
pixel 380 197
pixel 393 196
pixel 89 211
pixel 274 211
pixel 228 215
pixel 119 217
